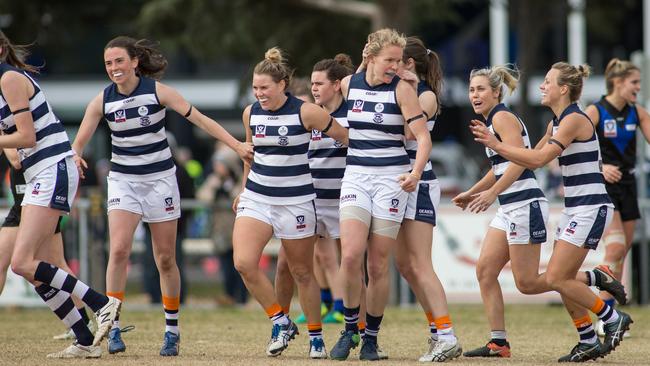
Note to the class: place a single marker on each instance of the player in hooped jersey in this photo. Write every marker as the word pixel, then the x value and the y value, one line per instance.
pixel 415 239
pixel 278 198
pixel 571 137
pixel 327 164
pixel 29 124
pixel 617 116
pixel 378 177
pixel 519 227
pixel 142 183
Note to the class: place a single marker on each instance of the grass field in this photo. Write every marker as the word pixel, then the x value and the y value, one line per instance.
pixel 218 336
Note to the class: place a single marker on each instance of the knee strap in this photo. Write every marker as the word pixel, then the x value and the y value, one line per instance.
pixel 354 213
pixel 385 227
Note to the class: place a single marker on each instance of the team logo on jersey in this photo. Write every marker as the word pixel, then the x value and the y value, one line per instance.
pixel 357 107
pixel 283 141
pixel 169 204
pixel 300 222
pixel 283 131
pixel 61 165
pixel 260 131
pixel 145 121
pixel 120 116
pixel 315 135
pixel 394 203
pixel 378 118
pixel 338 144
pixel 3 125
pixel 609 128
pixel 572 227
pixel 513 229
pixel 21 188
pixel 630 127
pixel 379 107
pixel 602 212
pixel 534 204
pixel 37 189
pixel 143 110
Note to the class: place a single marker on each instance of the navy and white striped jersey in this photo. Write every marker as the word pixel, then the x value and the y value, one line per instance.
pixel 52 142
pixel 584 185
pixel 525 189
pixel 412 145
pixel 138 140
pixel 376 129
pixel 280 172
pixel 327 161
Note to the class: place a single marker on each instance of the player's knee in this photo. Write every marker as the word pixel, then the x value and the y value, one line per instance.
pixel 554 280
pixel 302 274
pixel 120 253
pixel 20 267
pixel 244 267
pixel 166 262
pixel 377 269
pixel 406 269
pixel 486 273
pixel 526 286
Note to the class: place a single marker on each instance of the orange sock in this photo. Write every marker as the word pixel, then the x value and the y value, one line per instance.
pixel 117 295
pixel 598 306
pixel 171 303
pixel 273 310
pixel 443 322
pixel 582 322
pixel 430 317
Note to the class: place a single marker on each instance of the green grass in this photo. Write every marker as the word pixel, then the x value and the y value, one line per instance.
pixel 220 336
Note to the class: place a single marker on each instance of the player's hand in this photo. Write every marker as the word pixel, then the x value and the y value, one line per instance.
pixel 611 173
pixel 81 165
pixel 462 200
pixel 408 182
pixel 482 201
pixel 482 134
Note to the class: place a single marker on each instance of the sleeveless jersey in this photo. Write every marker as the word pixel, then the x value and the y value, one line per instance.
pixel 376 129
pixel 525 189
pixel 52 142
pixel 327 161
pixel 139 149
pixel 584 185
pixel 412 145
pixel 617 136
pixel 280 172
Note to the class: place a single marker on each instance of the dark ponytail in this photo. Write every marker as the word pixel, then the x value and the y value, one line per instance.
pixel 151 63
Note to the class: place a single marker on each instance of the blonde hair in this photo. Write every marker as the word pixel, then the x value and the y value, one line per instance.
pixel 382 38
pixel 573 77
pixel 276 66
pixel 499 77
pixel 618 69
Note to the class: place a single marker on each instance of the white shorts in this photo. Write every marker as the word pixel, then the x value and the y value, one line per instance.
pixel 288 222
pixel 54 187
pixel 380 195
pixel 327 221
pixel 525 224
pixel 584 229
pixel 157 200
pixel 422 203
